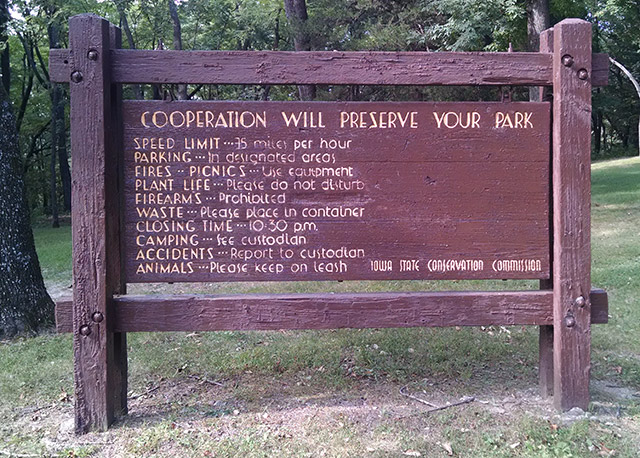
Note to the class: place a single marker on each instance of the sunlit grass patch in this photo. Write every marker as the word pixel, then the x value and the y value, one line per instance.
pixel 336 392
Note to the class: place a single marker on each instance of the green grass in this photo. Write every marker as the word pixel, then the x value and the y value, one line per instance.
pixel 276 372
pixel 616 265
pixel 54 252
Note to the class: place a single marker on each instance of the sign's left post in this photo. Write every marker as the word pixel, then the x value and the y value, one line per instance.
pixel 100 356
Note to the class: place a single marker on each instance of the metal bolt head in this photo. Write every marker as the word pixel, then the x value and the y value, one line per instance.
pixel 76 77
pixel 92 54
pixel 580 301
pixel 567 60
pixel 583 74
pixel 569 321
pixel 97 317
pixel 85 330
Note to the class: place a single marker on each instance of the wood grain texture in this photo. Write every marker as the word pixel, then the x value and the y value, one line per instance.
pixel 572 221
pixel 114 197
pixel 545 360
pixel 328 67
pixel 98 370
pixel 428 193
pixel 545 337
pixel 203 313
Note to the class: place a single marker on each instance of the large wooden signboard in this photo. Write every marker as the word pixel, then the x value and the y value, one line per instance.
pixel 222 191
pixel 232 191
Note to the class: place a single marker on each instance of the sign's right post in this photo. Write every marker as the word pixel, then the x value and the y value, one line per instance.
pixel 571 165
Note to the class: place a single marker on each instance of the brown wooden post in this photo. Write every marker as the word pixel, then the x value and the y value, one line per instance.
pixel 115 202
pixel 571 210
pixel 545 365
pixel 99 355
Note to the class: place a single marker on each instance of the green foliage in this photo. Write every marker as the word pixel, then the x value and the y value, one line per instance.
pixel 413 25
pixel 616 25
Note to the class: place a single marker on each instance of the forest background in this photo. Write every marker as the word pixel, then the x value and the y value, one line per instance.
pixel 32 27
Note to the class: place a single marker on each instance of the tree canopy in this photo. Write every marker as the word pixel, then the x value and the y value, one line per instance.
pixel 416 25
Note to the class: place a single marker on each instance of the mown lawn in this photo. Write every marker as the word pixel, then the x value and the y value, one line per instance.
pixel 337 393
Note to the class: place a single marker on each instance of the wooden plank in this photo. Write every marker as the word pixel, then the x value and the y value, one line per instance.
pixel 328 67
pixel 599 300
pixel 143 313
pixel 545 338
pixel 95 226
pixel 545 364
pixel 433 185
pixel 330 311
pixel 115 197
pixel 572 195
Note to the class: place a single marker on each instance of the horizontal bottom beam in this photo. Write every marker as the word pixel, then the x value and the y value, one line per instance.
pixel 331 311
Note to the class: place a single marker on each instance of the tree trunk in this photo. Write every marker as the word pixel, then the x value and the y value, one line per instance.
pixel 296 11
pixel 59 128
pixel 156 89
pixel 57 107
pixel 53 183
pixel 597 132
pixel 26 95
pixel 538 20
pixel 275 47
pixel 24 302
pixel 124 24
pixel 624 136
pixel 5 68
pixel 177 44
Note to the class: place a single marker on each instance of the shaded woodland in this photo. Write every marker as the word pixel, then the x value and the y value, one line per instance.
pixel 29 28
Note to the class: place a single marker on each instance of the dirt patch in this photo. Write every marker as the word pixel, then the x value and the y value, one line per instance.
pixel 190 412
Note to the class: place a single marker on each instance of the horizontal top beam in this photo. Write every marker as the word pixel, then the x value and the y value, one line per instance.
pixel 327 67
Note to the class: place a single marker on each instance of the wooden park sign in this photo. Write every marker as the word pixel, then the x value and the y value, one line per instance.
pixel 175 191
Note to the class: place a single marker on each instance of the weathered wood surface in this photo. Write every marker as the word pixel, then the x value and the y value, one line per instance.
pixel 545 360
pixel 545 338
pixel 211 313
pixel 115 197
pixel 98 354
pixel 328 67
pixel 428 190
pixel 572 220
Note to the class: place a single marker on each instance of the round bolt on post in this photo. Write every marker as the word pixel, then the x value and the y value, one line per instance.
pixel 85 330
pixel 92 54
pixel 580 301
pixel 97 317
pixel 569 321
pixel 567 60
pixel 76 77
pixel 583 74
